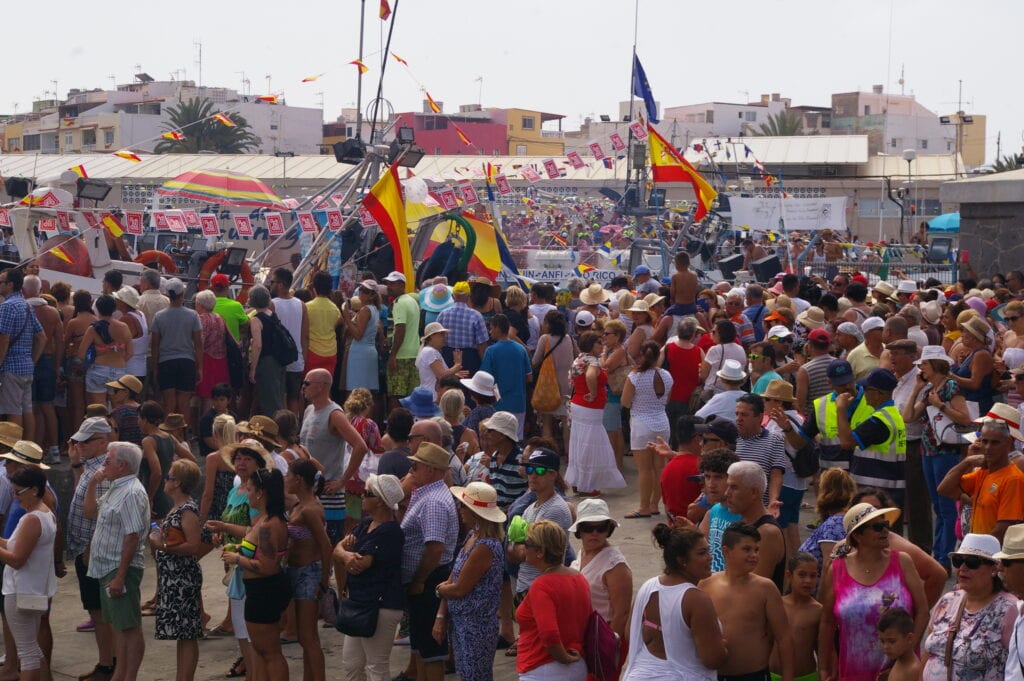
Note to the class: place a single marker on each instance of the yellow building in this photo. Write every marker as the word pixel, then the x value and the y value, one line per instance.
pixel 971 128
pixel 526 133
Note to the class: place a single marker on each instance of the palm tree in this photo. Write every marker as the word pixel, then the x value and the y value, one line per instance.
pixel 1009 162
pixel 783 124
pixel 193 119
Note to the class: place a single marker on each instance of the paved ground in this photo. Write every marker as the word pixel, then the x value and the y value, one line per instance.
pixel 75 653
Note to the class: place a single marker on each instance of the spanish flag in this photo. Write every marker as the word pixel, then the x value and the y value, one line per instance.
pixel 310 79
pixel 668 165
pixel 558 240
pixel 462 135
pixel 223 120
pixel 433 105
pixel 399 59
pixel 62 254
pixel 269 99
pixel 363 68
pixel 173 135
pixel 79 170
pixel 128 155
pixel 385 10
pixel 112 225
pixel 386 205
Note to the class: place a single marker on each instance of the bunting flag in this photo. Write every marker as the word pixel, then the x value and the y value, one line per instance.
pixel 582 269
pixel 127 155
pixel 112 225
pixel 642 89
pixel 173 135
pixel 223 120
pixel 606 248
pixel 79 170
pixel 310 79
pixel 558 240
pixel 461 135
pixel 385 10
pixel 363 68
pixel 385 204
pixel 269 99
pixel 668 165
pixel 433 105
pixel 62 254
pixel 399 59
pixel 747 151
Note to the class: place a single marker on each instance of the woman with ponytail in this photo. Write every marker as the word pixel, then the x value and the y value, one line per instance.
pixel 645 394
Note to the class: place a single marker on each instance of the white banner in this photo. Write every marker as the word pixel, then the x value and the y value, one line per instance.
pixel 763 213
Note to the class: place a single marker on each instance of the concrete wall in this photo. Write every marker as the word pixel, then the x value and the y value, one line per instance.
pixel 991 233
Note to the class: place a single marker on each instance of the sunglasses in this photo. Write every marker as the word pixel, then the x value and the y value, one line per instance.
pixel 538 470
pixel 971 562
pixel 878 526
pixel 1011 319
pixel 710 438
pixel 589 528
pixel 754 357
pixel 786 339
pixel 369 495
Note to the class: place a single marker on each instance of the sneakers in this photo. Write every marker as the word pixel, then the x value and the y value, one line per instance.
pixel 87 625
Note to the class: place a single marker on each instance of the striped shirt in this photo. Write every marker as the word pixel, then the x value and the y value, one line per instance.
pixel 123 510
pixel 817 379
pixel 466 327
pixel 431 516
pixel 504 477
pixel 767 450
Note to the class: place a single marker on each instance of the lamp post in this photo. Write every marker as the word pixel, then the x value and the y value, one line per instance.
pixel 909 155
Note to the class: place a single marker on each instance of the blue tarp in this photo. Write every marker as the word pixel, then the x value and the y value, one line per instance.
pixel 947 222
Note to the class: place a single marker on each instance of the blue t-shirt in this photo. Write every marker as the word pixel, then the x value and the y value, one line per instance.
pixel 509 363
pixel 719 518
pixel 763 381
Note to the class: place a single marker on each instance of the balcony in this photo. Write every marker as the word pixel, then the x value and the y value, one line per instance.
pixel 88 147
pixel 557 134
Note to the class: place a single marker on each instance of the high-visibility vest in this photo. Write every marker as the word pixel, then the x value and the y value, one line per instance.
pixel 832 454
pixel 883 464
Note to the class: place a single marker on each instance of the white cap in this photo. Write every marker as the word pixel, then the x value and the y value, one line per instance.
pixel 871 324
pixel 850 329
pixel 395 276
pixel 779 332
pixel 175 286
pixel 584 318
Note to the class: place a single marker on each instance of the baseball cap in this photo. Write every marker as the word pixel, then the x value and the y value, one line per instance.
pixel 96 425
pixel 779 332
pixel 872 324
pixel 819 336
pixel 880 379
pixel 840 372
pixel 542 456
pixel 395 276
pixel 175 286
pixel 641 269
pixel 584 319
pixel 220 281
pixel 721 428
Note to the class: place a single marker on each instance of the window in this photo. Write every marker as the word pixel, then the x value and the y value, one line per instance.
pixel 893 143
pixel 750 116
pixel 709 116
pixel 437 151
pixel 108 137
pixel 69 139
pixel 32 142
pixel 273 126
pixel 527 122
pixel 89 137
pixel 520 150
pixel 867 110
pixel 949 146
pixel 923 144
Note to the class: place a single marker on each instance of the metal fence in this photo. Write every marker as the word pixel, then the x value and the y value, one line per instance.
pixel 895 270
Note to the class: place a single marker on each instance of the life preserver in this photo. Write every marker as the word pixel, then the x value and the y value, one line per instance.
pixel 160 258
pixel 210 267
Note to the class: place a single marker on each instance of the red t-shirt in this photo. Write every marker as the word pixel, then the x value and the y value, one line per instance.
pixel 677 490
pixel 684 365
pixel 555 611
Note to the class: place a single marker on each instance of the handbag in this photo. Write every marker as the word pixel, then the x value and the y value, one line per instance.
pixel 329 606
pixel 547 396
pixel 947 432
pixel 601 648
pixel 31 602
pixel 357 618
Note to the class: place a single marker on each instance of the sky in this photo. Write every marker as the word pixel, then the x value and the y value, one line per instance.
pixel 570 57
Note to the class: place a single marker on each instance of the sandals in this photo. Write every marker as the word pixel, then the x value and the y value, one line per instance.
pixel 219 630
pixel 504 643
pixel 237 669
pixel 636 514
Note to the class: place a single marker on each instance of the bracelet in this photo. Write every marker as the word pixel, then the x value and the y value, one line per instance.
pixel 439 616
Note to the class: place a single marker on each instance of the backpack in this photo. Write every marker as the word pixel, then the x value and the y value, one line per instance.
pixel 805 461
pixel 282 345
pixel 601 648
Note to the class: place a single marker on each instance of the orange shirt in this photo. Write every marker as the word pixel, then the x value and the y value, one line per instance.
pixel 995 496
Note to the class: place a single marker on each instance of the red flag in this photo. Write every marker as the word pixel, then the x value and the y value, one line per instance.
pixel 461 135
pixel 430 101
pixel 127 155
pixel 173 135
pixel 223 120
pixel 385 10
pixel 668 165
pixel 363 68
pixel 310 79
pixel 386 205
pixel 210 225
pixel 269 99
pixel 79 170
pixel 133 223
pixel 399 59
pixel 275 224
pixel 243 224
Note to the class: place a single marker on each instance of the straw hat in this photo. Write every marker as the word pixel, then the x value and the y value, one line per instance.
pixel 251 448
pixel 432 328
pixel 10 433
pixel 263 428
pixel 594 294
pixel 96 409
pixel 431 455
pixel 1001 411
pixel 779 389
pixel 592 511
pixel 863 513
pixel 935 352
pixel 126 382
pixel 653 299
pixel 482 383
pixel 173 422
pixel 812 318
pixel 981 545
pixel 127 295
pixel 931 311
pixel 387 488
pixel 976 327
pixel 481 499
pixel 640 306
pixel 885 289
pixel 1013 544
pixel 28 453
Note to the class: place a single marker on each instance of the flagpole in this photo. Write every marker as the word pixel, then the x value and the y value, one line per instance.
pixel 359 80
pixel 632 98
pixel 782 221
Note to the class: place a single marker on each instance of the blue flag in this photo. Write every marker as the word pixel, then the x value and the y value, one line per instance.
pixel 642 89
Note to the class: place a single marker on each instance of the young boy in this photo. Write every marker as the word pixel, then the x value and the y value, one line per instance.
pixel 709 509
pixel 896 634
pixel 220 403
pixel 683 289
pixel 750 609
pixel 804 615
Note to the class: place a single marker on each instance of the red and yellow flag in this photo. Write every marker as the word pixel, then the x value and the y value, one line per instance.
pixel 269 99
pixel 385 9
pixel 310 79
pixel 127 155
pixel 433 105
pixel 223 120
pixel 462 135
pixel 668 165
pixel 386 205
pixel 62 254
pixel 173 135
pixel 363 68
pixel 79 170
pixel 399 59
pixel 112 225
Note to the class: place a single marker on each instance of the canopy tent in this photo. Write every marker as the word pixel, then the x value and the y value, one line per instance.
pixel 947 222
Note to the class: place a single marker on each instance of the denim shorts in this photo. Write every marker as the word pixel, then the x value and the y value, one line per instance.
pixel 97 377
pixel 306 581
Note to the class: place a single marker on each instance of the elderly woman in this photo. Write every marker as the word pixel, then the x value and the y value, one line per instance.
pixel 974 372
pixel 938 403
pixel 978 615
pixel 453 404
pixel 111 344
pixel 604 566
pixel 270 389
pixel 553 616
pixel 684 362
pixel 857 588
pixel 178 543
pixel 472 592
pixel 615 362
pixel 215 349
pixel 430 363
pixel 555 346
pixel 645 395
pixel 361 369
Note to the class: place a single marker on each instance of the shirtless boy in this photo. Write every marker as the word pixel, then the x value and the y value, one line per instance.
pixel 683 288
pixel 896 635
pixel 750 609
pixel 804 614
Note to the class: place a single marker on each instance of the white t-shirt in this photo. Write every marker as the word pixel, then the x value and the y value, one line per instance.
pixel 289 311
pixel 799 304
pixel 428 356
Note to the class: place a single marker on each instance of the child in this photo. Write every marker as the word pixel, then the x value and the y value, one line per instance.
pixel 896 634
pixel 683 289
pixel 804 614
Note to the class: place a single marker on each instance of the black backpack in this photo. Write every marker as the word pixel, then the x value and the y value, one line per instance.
pixel 805 461
pixel 282 345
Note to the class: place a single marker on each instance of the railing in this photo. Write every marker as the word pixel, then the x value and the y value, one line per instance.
pixel 552 133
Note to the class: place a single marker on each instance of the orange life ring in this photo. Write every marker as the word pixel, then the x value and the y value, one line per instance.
pixel 211 265
pixel 160 258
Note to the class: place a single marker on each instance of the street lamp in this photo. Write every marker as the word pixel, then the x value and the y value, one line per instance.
pixel 909 155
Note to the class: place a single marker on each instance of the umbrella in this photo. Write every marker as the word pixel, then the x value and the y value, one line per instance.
pixel 947 222
pixel 222 187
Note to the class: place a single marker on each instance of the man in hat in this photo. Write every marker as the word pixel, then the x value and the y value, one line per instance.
pixel 431 526
pixel 292 313
pixel 643 282
pixel 176 346
pixel 679 489
pixel 21 343
pixel 541 468
pixel 879 441
pixel 44 381
pixel 467 330
pixel 499 462
pixel 230 310
pixel 864 358
pixel 723 404
pixel 87 450
pixel 811 377
pixel 895 329
pixel 405 343
pixel 510 365
pixel 995 485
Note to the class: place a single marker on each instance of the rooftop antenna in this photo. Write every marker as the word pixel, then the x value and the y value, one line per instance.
pixel 901 81
pixel 245 82
pixel 198 47
pixel 480 92
pixel 320 99
pixel 746 96
pixel 113 81
pixel 138 70
pixel 54 90
pixel 268 83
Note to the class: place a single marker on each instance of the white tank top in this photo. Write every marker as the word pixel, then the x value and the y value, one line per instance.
pixel 37 575
pixel 289 311
pixel 136 365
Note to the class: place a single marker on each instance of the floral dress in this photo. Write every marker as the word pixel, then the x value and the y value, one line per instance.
pixel 475 618
pixel 179 585
pixel 981 643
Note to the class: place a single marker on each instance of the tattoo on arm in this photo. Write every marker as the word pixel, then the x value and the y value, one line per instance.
pixel 267 547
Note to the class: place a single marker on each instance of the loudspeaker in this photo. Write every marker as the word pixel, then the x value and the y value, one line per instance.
pixel 18 187
pixel 766 268
pixel 350 151
pixel 938 251
pixel 630 198
pixel 730 265
pixel 656 198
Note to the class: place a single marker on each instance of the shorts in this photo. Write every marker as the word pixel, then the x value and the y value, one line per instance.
pixel 74 370
pixel 98 375
pixel 88 587
pixel 266 598
pixel 293 384
pixel 762 675
pixel 44 380
pixel 315 361
pixel 789 514
pixel 640 435
pixel 177 374
pixel 402 381
pixel 16 394
pixel 125 612
pixel 422 611
pixel 305 581
pixel 612 417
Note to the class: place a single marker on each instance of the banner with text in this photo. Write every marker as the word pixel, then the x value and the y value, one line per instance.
pixel 763 213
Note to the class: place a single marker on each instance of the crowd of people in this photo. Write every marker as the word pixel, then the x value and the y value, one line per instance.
pixel 435 466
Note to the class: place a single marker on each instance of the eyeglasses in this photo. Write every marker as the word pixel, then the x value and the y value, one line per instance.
pixel 1011 319
pixel 971 562
pixel 538 470
pixel 782 339
pixel 754 356
pixel 591 528
pixel 369 495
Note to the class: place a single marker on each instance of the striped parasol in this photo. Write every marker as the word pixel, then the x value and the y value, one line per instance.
pixel 222 187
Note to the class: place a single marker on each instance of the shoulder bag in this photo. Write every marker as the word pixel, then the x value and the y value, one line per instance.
pixel 547 396
pixel 357 618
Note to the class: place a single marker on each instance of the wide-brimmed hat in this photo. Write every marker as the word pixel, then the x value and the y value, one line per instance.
pixel 812 318
pixel 482 383
pixel 10 433
pixel 505 423
pixel 640 306
pixel 387 488
pixel 863 513
pixel 261 427
pixel 931 312
pixel 437 298
pixel 481 499
pixel 1013 544
pixel 885 289
pixel 906 286
pixel 594 294
pixel 731 371
pixel 421 403
pixel 431 455
pixel 252 448
pixel 28 453
pixel 779 389
pixel 981 545
pixel 127 295
pixel 1000 411
pixel 126 382
pixel 977 328
pixel 653 299
pixel 592 511
pixel 173 422
pixel 431 329
pixel 935 352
